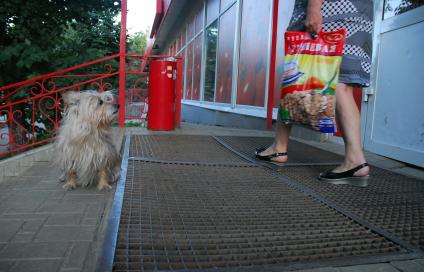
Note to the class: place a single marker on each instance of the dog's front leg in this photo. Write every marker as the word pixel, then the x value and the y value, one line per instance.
pixel 116 173
pixel 103 180
pixel 71 181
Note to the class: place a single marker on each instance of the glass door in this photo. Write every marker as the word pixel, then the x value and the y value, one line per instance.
pixel 394 125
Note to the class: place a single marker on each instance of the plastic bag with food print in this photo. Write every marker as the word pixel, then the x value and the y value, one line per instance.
pixel 311 72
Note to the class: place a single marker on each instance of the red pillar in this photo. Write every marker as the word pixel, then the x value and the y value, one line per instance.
pixel 122 68
pixel 271 84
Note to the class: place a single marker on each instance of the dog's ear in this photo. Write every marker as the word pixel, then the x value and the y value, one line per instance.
pixel 71 98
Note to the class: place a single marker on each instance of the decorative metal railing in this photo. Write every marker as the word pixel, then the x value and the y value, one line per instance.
pixel 31 110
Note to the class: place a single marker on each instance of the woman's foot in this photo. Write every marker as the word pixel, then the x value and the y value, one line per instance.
pixel 271 154
pixel 357 176
pixel 346 166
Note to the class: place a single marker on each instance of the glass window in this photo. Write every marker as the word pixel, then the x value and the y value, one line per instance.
pixel 226 3
pixel 199 21
pixel 212 10
pixel 182 55
pixel 189 73
pixel 224 77
pixel 396 7
pixel 210 68
pixel 254 46
pixel 196 67
pixel 190 32
pixel 182 37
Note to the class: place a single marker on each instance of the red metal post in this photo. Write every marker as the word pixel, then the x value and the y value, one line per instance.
pixel 178 92
pixel 271 83
pixel 122 66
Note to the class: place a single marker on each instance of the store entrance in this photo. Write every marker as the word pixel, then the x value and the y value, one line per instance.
pixel 394 125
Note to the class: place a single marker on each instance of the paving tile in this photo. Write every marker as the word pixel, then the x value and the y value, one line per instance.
pixel 90 221
pixel 6 265
pixel 64 219
pixel 321 269
pixel 51 206
pixel 2 173
pixel 8 229
pixel 6 184
pixel 11 184
pixel 408 266
pixel 91 191
pixel 24 201
pixel 91 199
pixel 34 250
pixel 32 225
pixel 23 237
pixel 383 267
pixel 12 169
pixel 37 266
pixel 57 195
pixel 35 171
pixel 26 161
pixel 66 233
pixel 94 210
pixel 43 158
pixel 78 254
pixel 23 216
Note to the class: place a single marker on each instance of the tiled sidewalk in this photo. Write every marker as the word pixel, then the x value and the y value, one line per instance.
pixel 45 228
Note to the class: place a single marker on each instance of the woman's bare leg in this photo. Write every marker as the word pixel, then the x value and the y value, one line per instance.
pixel 280 143
pixel 348 118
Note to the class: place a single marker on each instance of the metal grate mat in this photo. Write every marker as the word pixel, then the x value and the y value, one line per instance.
pixel 299 153
pixel 391 201
pixel 202 217
pixel 181 148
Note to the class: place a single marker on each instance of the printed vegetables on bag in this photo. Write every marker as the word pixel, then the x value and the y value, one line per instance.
pixel 310 77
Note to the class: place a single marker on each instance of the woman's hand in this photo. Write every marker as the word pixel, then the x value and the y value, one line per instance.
pixel 313 21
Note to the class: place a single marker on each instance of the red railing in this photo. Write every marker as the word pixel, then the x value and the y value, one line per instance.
pixel 31 110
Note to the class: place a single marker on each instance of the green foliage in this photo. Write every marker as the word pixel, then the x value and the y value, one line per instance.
pixel 37 37
pixel 79 43
pixel 137 42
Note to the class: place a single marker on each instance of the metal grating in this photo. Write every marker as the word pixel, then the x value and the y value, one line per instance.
pixel 181 148
pixel 299 153
pixel 391 201
pixel 199 217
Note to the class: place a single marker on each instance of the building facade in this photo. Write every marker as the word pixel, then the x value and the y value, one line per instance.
pixel 227 48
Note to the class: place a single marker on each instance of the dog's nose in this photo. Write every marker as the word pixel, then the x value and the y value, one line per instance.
pixel 117 106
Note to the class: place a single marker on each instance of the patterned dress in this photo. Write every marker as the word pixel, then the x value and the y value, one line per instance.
pixel 356 17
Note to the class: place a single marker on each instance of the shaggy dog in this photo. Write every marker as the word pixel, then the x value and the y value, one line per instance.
pixel 85 148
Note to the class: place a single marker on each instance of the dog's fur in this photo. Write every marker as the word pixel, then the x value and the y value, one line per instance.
pixel 86 152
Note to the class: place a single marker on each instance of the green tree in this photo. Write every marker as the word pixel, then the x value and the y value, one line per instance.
pixel 32 32
pixel 137 42
pixel 80 43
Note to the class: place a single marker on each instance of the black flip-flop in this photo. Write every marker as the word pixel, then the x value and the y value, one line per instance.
pixel 268 157
pixel 346 177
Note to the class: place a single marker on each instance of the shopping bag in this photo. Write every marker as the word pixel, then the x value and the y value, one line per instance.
pixel 310 77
